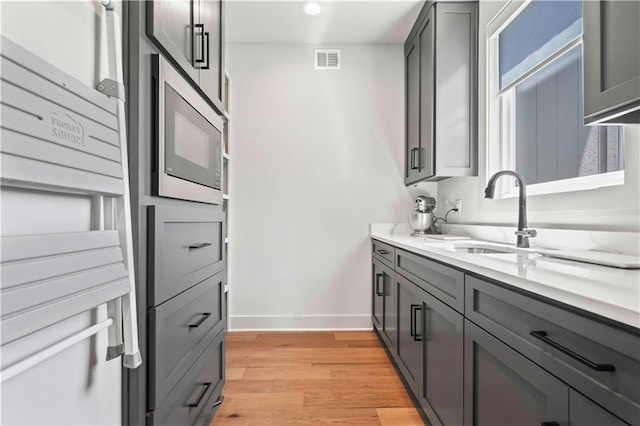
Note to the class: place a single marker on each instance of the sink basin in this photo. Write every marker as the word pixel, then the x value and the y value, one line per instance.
pixel 481 250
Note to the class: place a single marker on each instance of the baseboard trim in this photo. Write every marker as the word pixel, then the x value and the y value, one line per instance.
pixel 300 323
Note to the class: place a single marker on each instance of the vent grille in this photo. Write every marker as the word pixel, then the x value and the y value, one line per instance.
pixel 327 59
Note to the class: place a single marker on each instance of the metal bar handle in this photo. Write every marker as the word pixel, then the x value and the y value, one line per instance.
pixel 413 158
pixel 205 388
pixel 204 317
pixel 200 33
pixel 199 245
pixel 549 424
pixel 378 292
pixel 414 321
pixel 542 335
pixel 206 51
pixel 382 252
pixel 218 402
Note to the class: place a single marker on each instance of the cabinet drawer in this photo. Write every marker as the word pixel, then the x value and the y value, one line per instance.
pixel 447 284
pixel 194 397
pixel 569 345
pixel 384 252
pixel 179 330
pixel 187 248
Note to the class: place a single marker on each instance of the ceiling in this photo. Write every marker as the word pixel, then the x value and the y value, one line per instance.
pixel 341 21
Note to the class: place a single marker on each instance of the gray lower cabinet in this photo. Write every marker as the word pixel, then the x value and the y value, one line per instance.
pixel 441 386
pixel 197 394
pixel 187 248
pixel 409 351
pixel 181 329
pixel 504 388
pixel 611 46
pixel 584 412
pixel 479 352
pixel 599 360
pixel 383 301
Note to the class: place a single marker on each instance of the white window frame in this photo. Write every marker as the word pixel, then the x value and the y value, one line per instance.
pixel 501 118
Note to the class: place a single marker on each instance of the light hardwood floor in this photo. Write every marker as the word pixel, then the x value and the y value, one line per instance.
pixel 337 378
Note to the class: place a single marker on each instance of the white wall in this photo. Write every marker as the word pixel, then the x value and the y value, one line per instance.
pixel 316 157
pixel 613 208
pixel 77 386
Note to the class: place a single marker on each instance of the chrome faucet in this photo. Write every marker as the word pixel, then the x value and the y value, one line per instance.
pixel 523 232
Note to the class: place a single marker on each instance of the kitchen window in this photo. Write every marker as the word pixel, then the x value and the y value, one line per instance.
pixel 535 108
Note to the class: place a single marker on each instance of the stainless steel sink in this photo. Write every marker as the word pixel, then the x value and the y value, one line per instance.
pixel 481 250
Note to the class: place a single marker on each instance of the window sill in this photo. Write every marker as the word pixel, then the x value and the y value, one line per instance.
pixel 584 183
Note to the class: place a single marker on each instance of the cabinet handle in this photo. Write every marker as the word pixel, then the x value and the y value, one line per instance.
pixel 205 388
pixel 205 316
pixel 199 245
pixel 378 292
pixel 549 424
pixel 382 252
pixel 218 402
pixel 200 33
pixel 206 52
pixel 413 328
pixel 542 335
pixel 413 158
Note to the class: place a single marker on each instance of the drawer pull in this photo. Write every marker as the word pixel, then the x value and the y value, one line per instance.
pixel 199 245
pixel 205 388
pixel 549 424
pixel 382 252
pixel 378 292
pixel 542 335
pixel 414 323
pixel 205 316
pixel 218 402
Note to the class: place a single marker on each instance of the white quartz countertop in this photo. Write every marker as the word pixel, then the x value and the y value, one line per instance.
pixel 605 291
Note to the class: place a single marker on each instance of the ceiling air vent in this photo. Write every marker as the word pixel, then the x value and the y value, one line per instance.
pixel 327 59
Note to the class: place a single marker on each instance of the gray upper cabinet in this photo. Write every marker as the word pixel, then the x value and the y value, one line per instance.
pixel 441 93
pixel 191 34
pixel 611 37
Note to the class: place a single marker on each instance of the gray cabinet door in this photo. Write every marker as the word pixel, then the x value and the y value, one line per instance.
pixel 377 305
pixel 170 24
pixel 456 89
pixel 389 329
pixel 584 412
pixel 211 33
pixel 611 36
pixel 441 388
pixel 383 304
pixel 412 111
pixel 427 98
pixel 409 354
pixel 504 388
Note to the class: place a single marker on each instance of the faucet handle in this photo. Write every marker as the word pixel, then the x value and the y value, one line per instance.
pixel 527 233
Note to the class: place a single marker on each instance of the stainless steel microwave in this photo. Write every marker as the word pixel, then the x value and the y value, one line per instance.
pixel 188 139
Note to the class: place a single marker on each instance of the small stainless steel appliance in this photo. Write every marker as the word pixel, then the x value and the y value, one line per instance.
pixel 421 219
pixel 188 132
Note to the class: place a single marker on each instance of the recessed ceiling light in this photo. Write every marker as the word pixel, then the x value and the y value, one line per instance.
pixel 312 8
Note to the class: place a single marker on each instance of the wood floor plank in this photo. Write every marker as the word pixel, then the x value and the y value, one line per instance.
pixel 315 378
pixel 295 417
pixel 264 401
pixel 399 417
pixel 234 373
pixel 350 336
pixel 251 386
pixel 271 373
